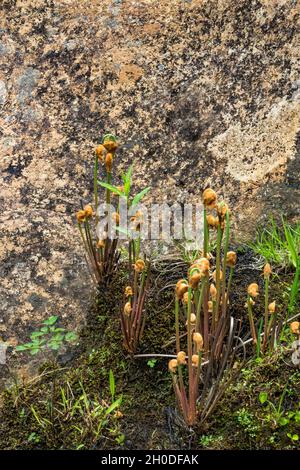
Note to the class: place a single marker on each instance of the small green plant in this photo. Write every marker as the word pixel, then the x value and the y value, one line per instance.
pixel 278 417
pixel 101 251
pixel 133 311
pixel 293 437
pixel 206 441
pixel 276 413
pixel 86 417
pixel 281 246
pixel 120 439
pixel 294 250
pixel 151 363
pixel 247 421
pixel 272 244
pixel 34 437
pixel 48 337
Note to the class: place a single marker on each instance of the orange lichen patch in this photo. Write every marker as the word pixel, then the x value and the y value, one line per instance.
pixel 151 29
pixel 12 341
pixel 130 73
pixel 122 55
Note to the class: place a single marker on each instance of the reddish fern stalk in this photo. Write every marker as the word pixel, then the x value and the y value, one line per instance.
pixel 133 314
pixel 210 329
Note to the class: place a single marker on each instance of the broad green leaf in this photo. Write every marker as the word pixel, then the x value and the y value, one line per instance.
pixel 58 337
pixel 112 188
pixel 36 334
pixel 139 196
pixel 34 351
pixel 294 437
pixel 283 421
pixel 297 417
pixel 55 346
pixel 263 397
pixel 51 320
pixel 22 347
pixel 71 336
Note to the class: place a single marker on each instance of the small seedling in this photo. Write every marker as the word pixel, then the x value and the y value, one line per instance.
pixel 48 337
pixel 151 363
pixel 34 437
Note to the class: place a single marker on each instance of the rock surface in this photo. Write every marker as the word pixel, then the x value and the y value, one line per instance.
pixel 199 92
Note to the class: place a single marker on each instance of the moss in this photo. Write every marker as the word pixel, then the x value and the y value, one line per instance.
pixel 243 422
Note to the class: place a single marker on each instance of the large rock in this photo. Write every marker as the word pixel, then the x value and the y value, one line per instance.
pixel 199 92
